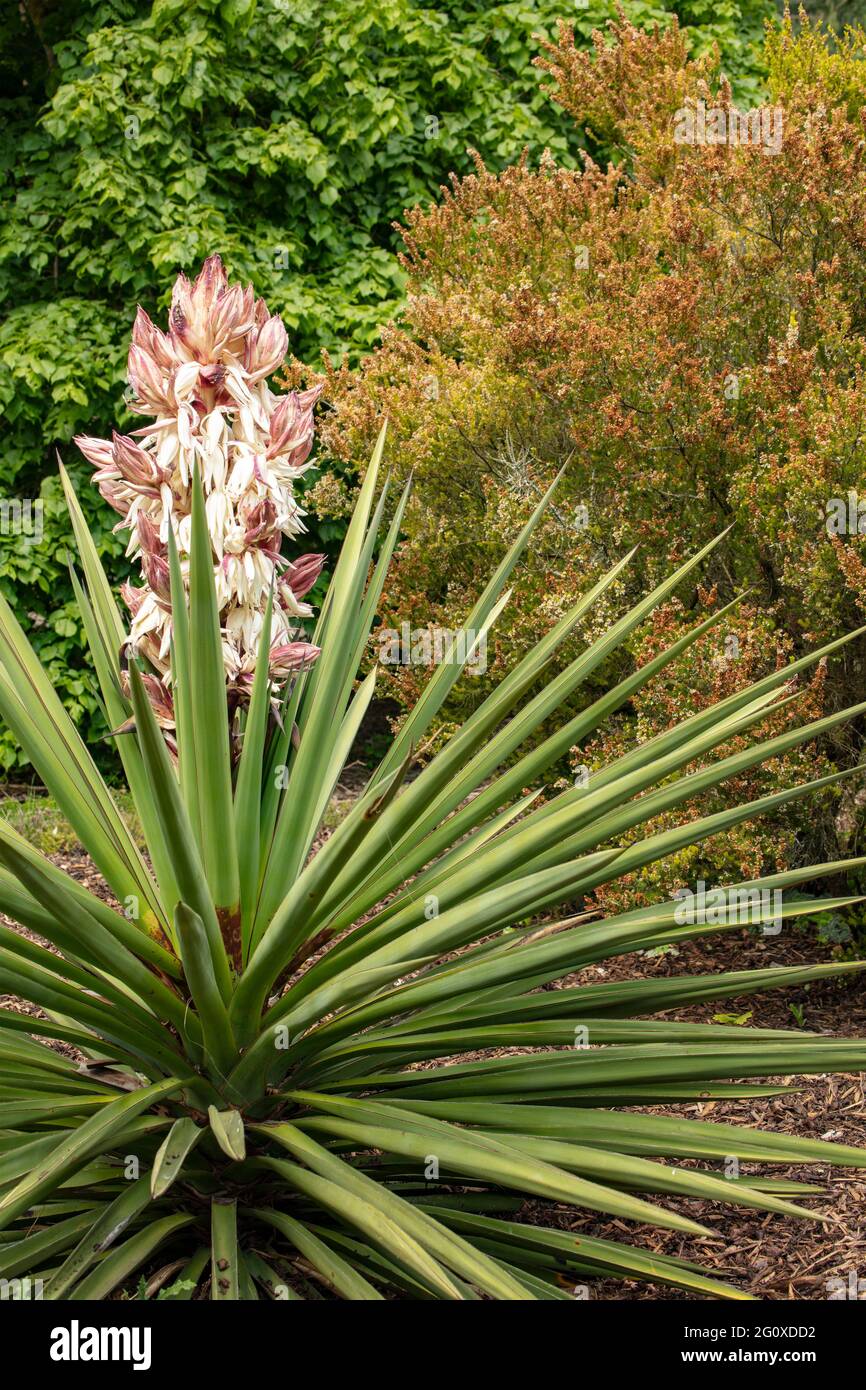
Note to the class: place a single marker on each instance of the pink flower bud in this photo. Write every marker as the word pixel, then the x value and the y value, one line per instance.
pixel 155 570
pixel 209 284
pixel 268 350
pixel 307 399
pixel 303 573
pixel 135 464
pixel 96 451
pixel 180 317
pixel 148 536
pixel 132 597
pixel 152 340
pixel 292 656
pixel 148 381
pixel 116 495
pixel 292 426
pixel 244 322
pixel 226 317
pixel 260 522
pixel 160 700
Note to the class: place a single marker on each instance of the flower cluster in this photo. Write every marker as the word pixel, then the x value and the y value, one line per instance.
pixel 205 382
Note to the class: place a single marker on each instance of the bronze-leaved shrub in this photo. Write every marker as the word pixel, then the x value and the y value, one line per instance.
pixel 683 330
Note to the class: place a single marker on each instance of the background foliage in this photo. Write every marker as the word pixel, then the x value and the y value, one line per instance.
pixel 288 135
pixel 686 332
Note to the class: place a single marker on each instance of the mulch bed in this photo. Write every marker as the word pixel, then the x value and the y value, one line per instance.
pixel 769 1256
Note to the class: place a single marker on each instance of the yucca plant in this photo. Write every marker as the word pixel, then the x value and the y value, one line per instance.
pixel 266 1103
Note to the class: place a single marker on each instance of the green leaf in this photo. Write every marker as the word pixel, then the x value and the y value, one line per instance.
pixel 211 730
pixel 228 1130
pixel 188 867
pixel 225 1256
pixel 101 1234
pixel 471 1154
pixel 182 691
pixel 248 792
pixel 94 1136
pixel 116 1267
pixel 333 1269
pixel 174 1149
pixel 219 1044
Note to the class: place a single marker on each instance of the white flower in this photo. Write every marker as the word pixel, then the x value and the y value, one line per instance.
pixel 204 382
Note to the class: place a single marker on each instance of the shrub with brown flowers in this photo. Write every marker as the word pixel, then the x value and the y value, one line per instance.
pixel 684 331
pixel 741 649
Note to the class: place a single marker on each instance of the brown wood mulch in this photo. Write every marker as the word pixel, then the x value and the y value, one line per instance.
pixel 768 1256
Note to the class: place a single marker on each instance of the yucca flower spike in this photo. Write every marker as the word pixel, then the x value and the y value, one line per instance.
pixel 205 383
